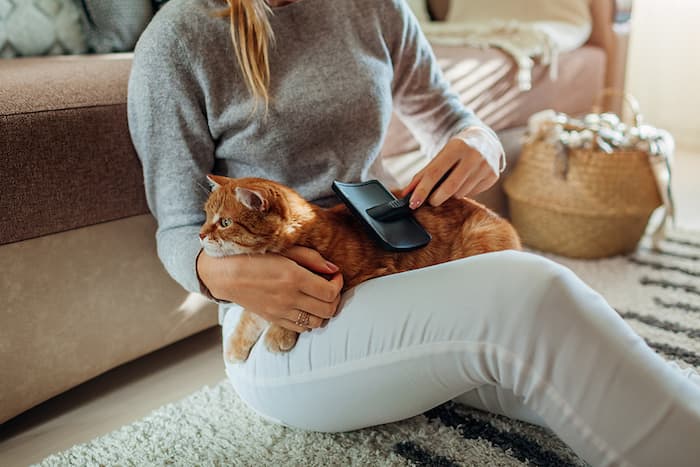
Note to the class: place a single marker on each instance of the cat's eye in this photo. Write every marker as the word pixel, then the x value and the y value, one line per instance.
pixel 225 222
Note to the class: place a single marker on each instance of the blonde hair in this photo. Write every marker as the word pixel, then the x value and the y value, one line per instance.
pixel 252 36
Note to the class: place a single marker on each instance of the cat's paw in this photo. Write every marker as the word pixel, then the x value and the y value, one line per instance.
pixel 279 339
pixel 237 353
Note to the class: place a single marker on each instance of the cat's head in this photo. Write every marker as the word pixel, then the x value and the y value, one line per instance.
pixel 244 215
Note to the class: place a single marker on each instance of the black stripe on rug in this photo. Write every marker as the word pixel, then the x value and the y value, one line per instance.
pixel 518 446
pixel 662 267
pixel 669 285
pixel 679 241
pixel 420 456
pixel 665 325
pixel 677 305
pixel 679 353
pixel 670 253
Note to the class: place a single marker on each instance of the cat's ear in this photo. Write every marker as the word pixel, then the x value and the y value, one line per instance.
pixel 216 181
pixel 252 199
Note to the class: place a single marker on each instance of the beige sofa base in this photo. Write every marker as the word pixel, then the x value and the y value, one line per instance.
pixel 76 304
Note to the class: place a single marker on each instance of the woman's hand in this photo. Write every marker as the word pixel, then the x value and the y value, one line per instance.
pixel 276 287
pixel 471 175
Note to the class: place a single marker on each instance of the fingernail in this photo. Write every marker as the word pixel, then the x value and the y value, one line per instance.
pixel 415 203
pixel 332 267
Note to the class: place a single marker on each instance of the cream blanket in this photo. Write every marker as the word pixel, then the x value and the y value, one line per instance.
pixel 536 30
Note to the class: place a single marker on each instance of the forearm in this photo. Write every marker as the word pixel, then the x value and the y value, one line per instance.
pixel 427 105
pixel 208 269
pixel 178 250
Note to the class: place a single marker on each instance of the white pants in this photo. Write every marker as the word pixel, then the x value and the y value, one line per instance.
pixel 507 332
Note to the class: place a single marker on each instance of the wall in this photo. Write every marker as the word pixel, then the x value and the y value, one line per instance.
pixel 663 71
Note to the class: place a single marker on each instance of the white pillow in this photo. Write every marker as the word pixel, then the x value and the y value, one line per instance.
pixel 40 28
pixel 567 22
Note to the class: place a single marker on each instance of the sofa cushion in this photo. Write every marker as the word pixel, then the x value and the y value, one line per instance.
pixel 568 11
pixel 484 79
pixel 65 152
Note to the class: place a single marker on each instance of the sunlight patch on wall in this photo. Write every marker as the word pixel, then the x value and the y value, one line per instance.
pixel 663 71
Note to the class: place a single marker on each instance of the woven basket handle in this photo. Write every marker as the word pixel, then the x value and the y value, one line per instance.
pixel 629 99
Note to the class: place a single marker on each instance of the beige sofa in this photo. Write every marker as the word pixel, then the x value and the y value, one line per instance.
pixel 81 288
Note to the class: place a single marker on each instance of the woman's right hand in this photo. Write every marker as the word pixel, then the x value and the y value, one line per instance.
pixel 276 287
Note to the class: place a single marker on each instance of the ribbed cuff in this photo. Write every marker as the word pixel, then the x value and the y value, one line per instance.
pixel 486 142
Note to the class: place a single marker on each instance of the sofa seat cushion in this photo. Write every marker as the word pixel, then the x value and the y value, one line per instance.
pixel 486 82
pixel 65 153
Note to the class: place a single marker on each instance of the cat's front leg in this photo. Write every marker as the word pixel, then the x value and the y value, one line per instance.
pixel 244 337
pixel 279 339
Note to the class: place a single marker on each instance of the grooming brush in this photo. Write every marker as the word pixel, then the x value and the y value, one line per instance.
pixel 388 220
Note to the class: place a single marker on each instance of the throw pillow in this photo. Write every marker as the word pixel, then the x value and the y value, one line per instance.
pixel 567 22
pixel 40 27
pixel 115 25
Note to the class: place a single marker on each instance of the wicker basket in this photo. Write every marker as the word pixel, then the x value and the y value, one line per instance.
pixel 598 205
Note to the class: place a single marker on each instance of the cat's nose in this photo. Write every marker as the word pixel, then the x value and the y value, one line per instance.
pixel 202 236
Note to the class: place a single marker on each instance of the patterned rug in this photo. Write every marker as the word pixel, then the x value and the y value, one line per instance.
pixel 658 293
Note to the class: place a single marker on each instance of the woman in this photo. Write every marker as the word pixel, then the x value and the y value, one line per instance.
pixel 507 332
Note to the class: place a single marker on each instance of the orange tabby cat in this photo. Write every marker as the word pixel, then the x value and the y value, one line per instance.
pixel 281 218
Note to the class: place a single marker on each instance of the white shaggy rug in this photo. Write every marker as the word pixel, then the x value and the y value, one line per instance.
pixel 657 293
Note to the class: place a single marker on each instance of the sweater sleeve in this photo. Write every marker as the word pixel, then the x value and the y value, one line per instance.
pixel 423 100
pixel 168 127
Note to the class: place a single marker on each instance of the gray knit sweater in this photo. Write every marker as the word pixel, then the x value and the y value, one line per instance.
pixel 338 70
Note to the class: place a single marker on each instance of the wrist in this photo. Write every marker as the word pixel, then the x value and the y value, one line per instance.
pixel 486 143
pixel 204 266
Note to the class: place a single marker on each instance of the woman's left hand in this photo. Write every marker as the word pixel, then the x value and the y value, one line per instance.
pixel 471 175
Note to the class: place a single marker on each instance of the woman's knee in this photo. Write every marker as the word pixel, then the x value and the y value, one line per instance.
pixel 535 288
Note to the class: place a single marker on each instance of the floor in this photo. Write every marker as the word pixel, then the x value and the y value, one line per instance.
pixel 131 391
pixel 113 399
